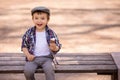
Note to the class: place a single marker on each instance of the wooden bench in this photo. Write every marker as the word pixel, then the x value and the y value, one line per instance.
pixel 102 64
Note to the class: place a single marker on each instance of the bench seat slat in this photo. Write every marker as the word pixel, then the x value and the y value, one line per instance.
pixel 4 63
pixel 64 68
pixel 11 55
pixel 59 54
pixel 85 58
pixel 81 54
pixel 68 67
pixel 88 62
pixel 12 58
pixel 62 59
pixel 87 67
pixel 65 58
pixel 12 63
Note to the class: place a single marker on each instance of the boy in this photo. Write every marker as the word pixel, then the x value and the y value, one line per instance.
pixel 39 44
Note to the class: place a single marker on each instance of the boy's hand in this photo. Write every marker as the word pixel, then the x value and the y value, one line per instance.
pixel 53 46
pixel 30 57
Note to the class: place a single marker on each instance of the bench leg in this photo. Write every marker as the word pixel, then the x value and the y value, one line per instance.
pixel 114 76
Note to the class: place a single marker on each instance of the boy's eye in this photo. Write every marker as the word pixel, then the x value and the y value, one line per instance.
pixel 36 18
pixel 42 18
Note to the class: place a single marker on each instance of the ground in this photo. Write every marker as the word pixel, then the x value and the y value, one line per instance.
pixel 83 26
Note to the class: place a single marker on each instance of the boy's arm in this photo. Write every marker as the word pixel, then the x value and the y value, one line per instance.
pixel 24 46
pixel 29 56
pixel 55 46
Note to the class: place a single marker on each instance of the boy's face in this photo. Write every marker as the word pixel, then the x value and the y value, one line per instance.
pixel 40 20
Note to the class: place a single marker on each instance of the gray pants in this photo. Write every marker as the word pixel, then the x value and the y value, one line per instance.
pixel 43 62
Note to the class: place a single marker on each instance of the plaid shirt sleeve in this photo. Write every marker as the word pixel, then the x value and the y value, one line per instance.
pixel 24 41
pixel 57 41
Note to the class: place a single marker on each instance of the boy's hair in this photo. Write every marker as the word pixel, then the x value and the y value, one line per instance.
pixel 40 10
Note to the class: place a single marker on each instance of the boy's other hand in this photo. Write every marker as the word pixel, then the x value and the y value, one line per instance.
pixel 53 46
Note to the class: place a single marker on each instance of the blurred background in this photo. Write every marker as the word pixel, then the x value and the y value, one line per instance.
pixel 83 26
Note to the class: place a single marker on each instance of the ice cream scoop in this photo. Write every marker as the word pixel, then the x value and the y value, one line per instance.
pixel 52 40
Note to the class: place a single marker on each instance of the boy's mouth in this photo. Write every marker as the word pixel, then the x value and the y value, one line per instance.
pixel 39 24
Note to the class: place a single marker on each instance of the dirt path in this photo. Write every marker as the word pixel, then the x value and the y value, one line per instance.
pixel 86 23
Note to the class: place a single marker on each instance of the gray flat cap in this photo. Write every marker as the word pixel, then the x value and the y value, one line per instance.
pixel 40 8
